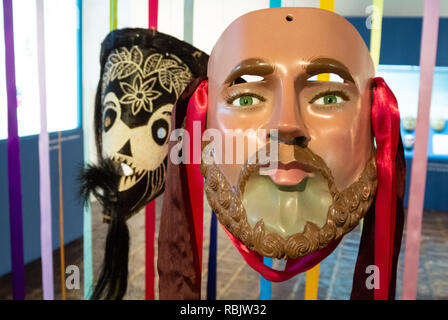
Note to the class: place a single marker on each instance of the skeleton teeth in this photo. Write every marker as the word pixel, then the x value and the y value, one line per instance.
pixel 127 170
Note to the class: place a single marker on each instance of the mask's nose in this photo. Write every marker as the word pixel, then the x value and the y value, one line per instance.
pixel 287 117
pixel 126 149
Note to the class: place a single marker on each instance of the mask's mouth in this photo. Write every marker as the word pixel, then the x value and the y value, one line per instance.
pixel 289 174
pixel 287 198
pixel 131 175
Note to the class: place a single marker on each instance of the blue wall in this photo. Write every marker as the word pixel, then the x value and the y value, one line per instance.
pixel 72 159
pixel 400 40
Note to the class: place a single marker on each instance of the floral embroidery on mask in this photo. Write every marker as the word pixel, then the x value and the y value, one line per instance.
pixel 139 95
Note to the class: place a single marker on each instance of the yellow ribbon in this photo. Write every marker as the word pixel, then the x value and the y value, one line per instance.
pixel 113 14
pixel 312 275
pixel 375 31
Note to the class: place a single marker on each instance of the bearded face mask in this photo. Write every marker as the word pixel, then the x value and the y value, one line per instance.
pixel 264 88
pixel 143 72
pixel 326 175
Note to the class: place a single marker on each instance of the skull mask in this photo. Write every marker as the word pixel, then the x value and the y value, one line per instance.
pixel 143 73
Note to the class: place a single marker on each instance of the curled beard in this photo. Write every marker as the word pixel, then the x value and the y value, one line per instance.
pixel 348 207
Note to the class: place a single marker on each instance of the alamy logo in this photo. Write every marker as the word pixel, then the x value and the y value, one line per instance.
pixel 374 19
pixel 373 280
pixel 72 282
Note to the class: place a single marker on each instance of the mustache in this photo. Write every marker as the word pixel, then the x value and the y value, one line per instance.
pixel 300 141
pixel 303 158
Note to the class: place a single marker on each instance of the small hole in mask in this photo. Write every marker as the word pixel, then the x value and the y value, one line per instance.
pixel 289 18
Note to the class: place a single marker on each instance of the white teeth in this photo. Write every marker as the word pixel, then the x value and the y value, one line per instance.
pixel 127 170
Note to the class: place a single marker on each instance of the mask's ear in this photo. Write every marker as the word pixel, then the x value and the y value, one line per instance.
pixel 383 224
pixel 180 235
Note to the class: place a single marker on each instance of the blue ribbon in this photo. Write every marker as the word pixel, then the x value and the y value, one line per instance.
pixel 211 277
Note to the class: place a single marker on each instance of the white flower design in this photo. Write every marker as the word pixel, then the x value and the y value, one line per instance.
pixel 140 95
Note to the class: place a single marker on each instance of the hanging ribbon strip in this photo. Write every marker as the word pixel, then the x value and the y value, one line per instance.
pixel 14 177
pixel 150 229
pixel 44 166
pixel 375 33
pixel 150 209
pixel 87 212
pixel 428 53
pixel 266 285
pixel 212 259
pixel 61 219
pixel 195 126
pixel 188 21
pixel 113 15
pixel 153 7
pixel 312 276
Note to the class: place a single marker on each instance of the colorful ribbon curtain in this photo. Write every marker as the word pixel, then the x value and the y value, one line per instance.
pixel 312 276
pixel 44 166
pixel 13 147
pixel 266 285
pixel 150 209
pixel 428 53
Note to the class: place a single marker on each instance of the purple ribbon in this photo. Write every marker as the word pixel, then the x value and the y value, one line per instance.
pixel 14 182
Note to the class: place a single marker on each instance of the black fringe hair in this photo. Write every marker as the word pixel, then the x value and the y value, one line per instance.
pixel 102 181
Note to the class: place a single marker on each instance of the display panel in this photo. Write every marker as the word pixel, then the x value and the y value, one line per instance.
pixel 61 67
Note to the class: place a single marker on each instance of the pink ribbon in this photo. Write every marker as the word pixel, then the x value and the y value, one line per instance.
pixel 428 53
pixel 44 167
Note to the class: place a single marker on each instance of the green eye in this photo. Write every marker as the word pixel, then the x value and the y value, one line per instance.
pixel 329 99
pixel 245 101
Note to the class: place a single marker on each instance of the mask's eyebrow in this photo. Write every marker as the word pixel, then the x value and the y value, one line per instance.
pixel 255 67
pixel 327 65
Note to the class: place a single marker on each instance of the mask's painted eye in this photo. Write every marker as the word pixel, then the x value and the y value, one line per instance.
pixel 109 119
pixel 160 131
pixel 329 99
pixel 244 101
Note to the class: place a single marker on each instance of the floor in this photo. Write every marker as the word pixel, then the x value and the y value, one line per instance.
pixel 236 280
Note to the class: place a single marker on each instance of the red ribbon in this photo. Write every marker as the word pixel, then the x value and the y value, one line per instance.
pixel 150 209
pixel 195 126
pixel 386 128
pixel 293 266
pixel 150 229
pixel 153 8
